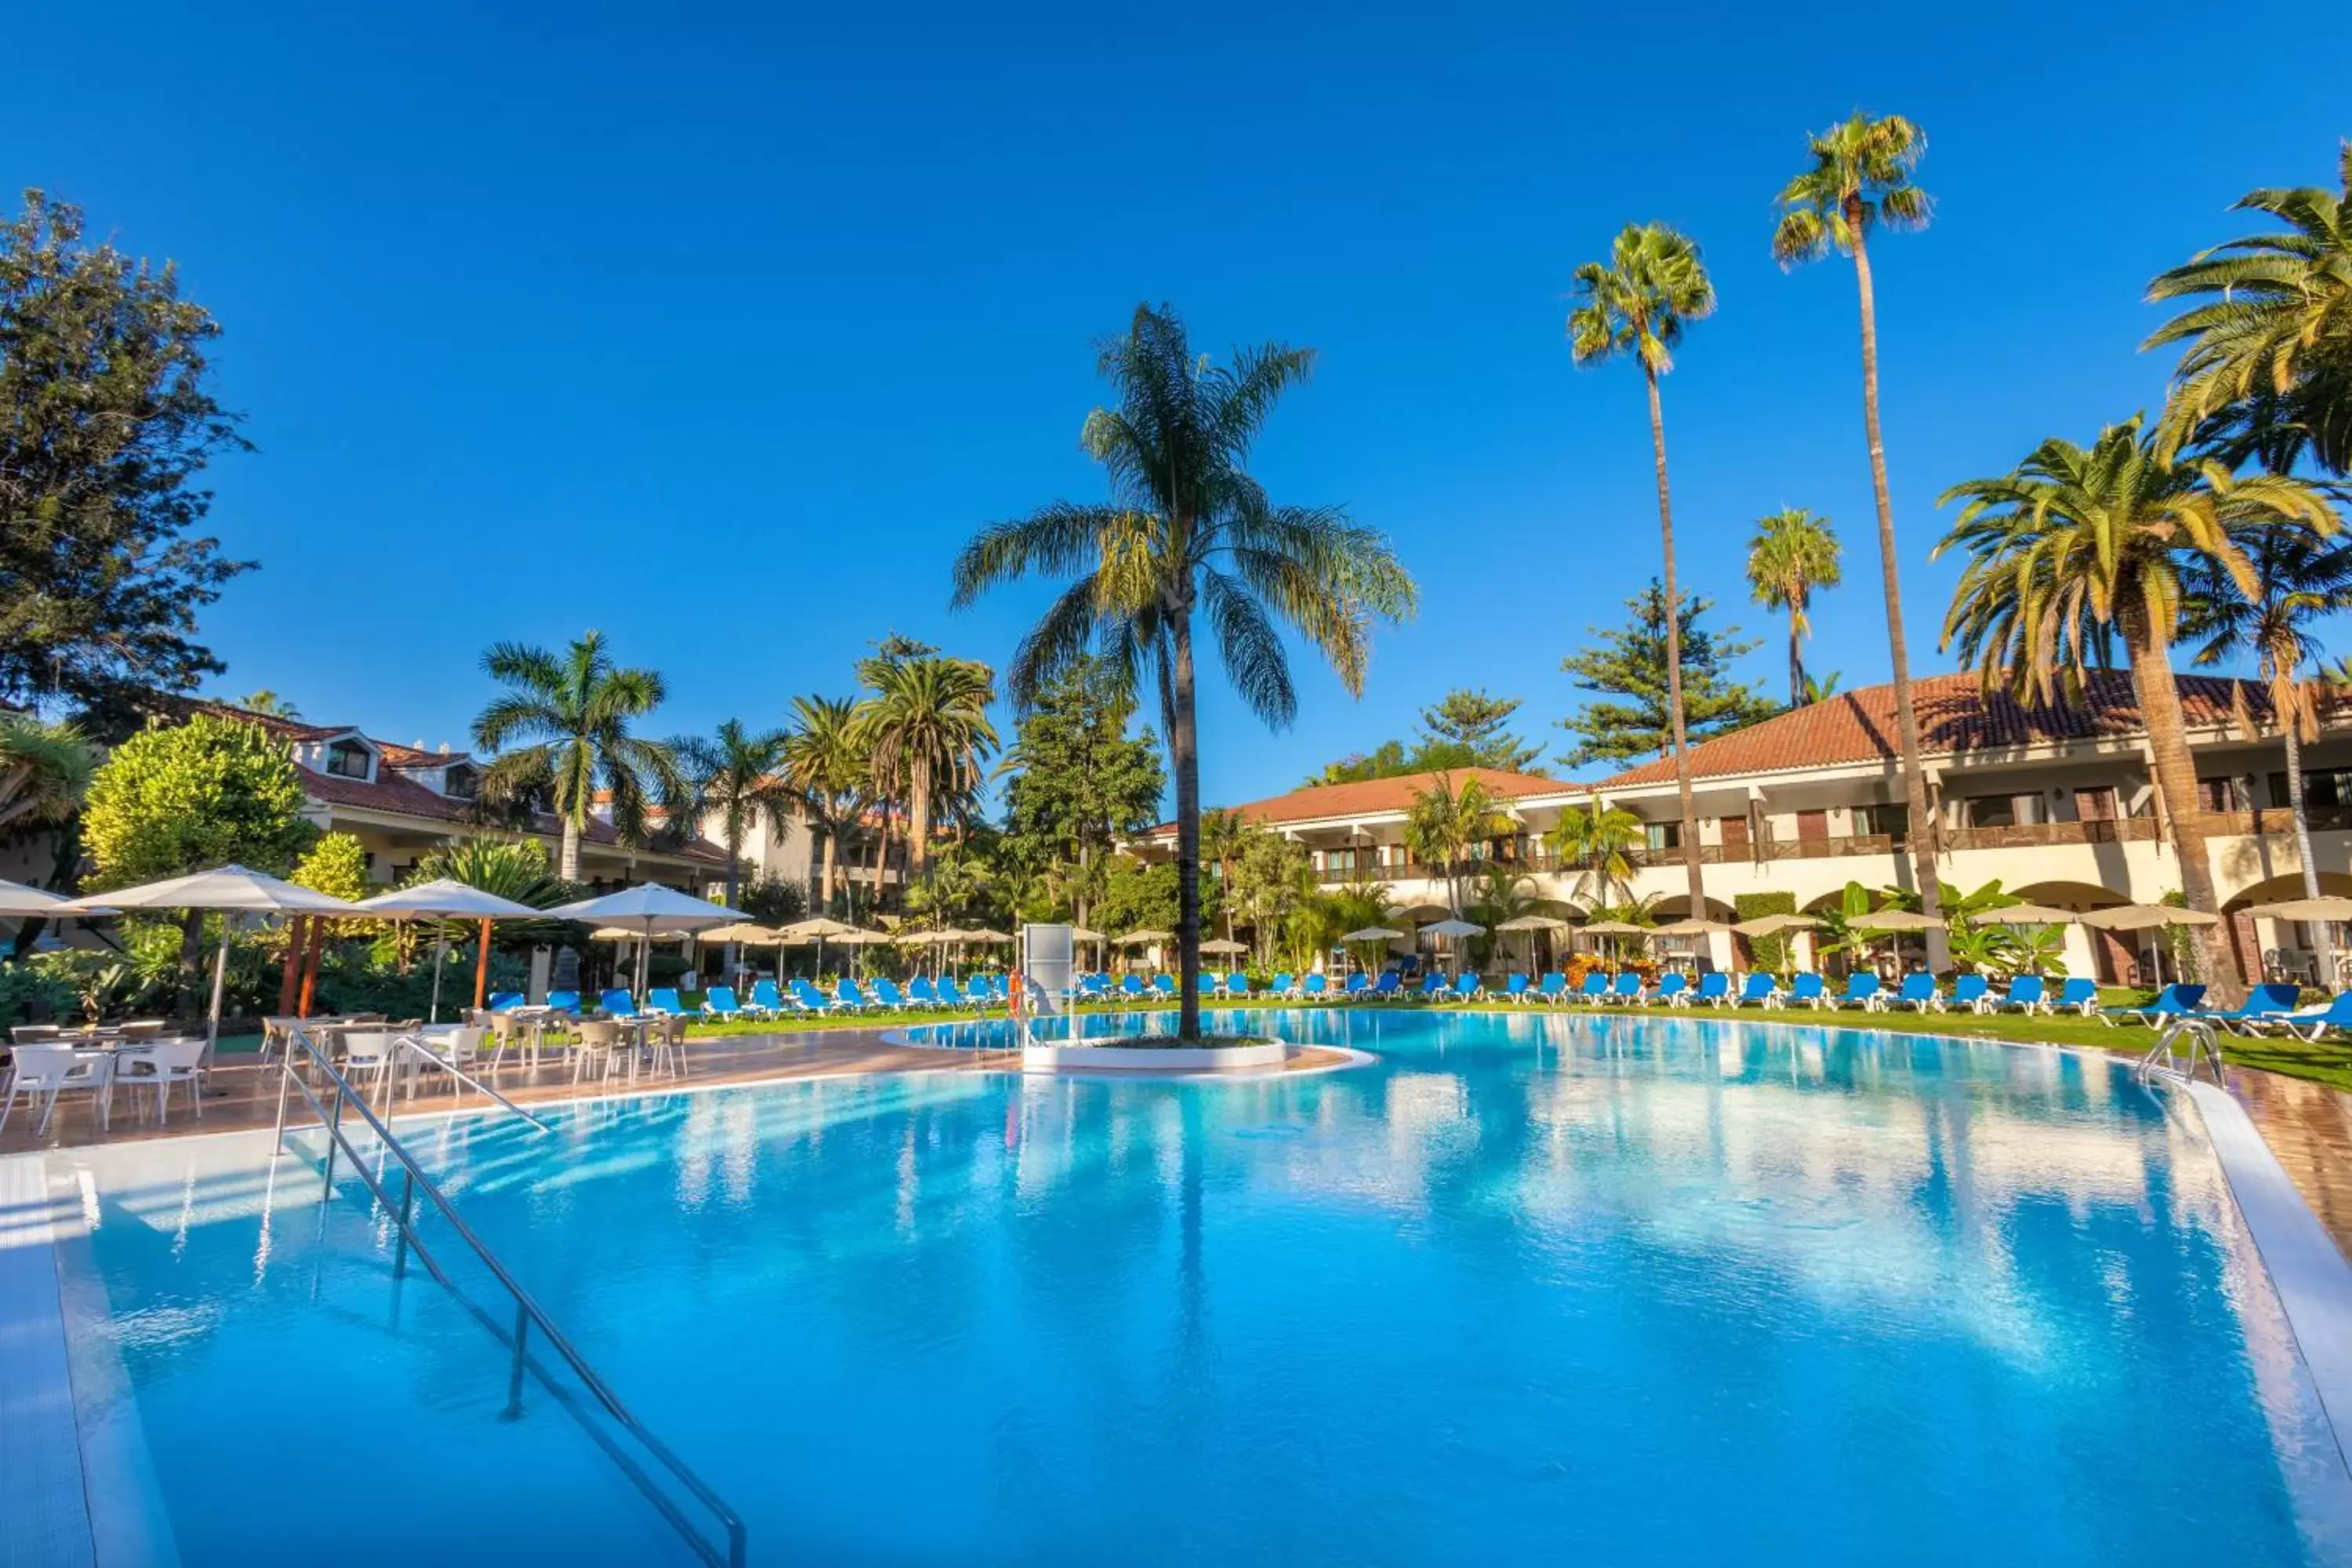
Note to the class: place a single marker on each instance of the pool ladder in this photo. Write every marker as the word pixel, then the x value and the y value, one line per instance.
pixel 529 1314
pixel 2166 1058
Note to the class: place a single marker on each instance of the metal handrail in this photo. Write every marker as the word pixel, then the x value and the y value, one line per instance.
pixel 448 1064
pixel 2204 1046
pixel 528 1312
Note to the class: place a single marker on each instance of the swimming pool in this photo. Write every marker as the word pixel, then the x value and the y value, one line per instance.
pixel 1522 1289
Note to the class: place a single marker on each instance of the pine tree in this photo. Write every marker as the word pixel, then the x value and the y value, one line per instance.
pixel 1629 662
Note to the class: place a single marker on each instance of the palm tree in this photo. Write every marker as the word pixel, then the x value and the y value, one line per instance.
pixel 45 771
pixel 737 776
pixel 1223 835
pixel 1793 553
pixel 512 869
pixel 2078 544
pixel 2299 580
pixel 572 715
pixel 825 765
pixel 1861 179
pixel 268 705
pixel 1599 839
pixel 2274 329
pixel 1444 825
pixel 1638 303
pixel 927 730
pixel 1188 532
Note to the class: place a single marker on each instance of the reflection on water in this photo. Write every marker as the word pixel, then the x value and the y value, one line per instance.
pixel 1648 1290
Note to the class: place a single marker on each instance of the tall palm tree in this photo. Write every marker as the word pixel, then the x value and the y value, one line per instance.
pixel 1223 835
pixel 2080 543
pixel 2273 329
pixel 571 716
pixel 2299 581
pixel 1638 302
pixel 45 771
pixel 737 776
pixel 1861 179
pixel 1188 532
pixel 1793 553
pixel 1445 824
pixel 927 727
pixel 824 764
pixel 1599 840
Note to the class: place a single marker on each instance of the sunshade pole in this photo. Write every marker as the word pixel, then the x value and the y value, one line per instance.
pixel 482 967
pixel 220 983
pixel 440 956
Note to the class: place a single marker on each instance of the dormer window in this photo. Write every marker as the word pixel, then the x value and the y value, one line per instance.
pixel 461 782
pixel 348 759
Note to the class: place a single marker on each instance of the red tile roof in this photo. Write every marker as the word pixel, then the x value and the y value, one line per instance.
pixel 1956 715
pixel 1370 797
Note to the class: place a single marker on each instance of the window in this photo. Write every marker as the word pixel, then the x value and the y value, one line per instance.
pixel 461 782
pixel 1884 820
pixel 2003 810
pixel 347 760
pixel 2324 789
pixel 1665 835
pixel 1338 860
pixel 2096 803
pixel 2231 792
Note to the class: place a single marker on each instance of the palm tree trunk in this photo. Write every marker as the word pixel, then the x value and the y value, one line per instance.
pixel 831 838
pixel 2303 845
pixel 1183 750
pixel 567 855
pixel 1674 658
pixel 881 849
pixel 2176 781
pixel 1796 663
pixel 919 818
pixel 1898 657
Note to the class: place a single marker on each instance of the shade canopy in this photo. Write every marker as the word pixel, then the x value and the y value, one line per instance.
pixel 1223 944
pixel 1700 927
pixel 1374 934
pixel 815 927
pixel 1452 928
pixel 1142 937
pixel 16 899
pixel 746 932
pixel 985 933
pixel 945 933
pixel 2292 909
pixel 1080 934
pixel 224 888
pixel 857 936
pixel 2024 915
pixel 629 933
pixel 2147 917
pixel 1533 922
pixel 446 899
pixel 647 908
pixel 1897 920
pixel 1774 925
pixel 1615 928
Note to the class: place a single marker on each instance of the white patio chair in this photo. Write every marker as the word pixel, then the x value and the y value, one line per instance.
pixel 366 1053
pixel 34 1034
pixel 158 1068
pixel 43 1072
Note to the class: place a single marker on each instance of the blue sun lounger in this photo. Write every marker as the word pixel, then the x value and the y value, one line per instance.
pixel 1713 989
pixel 503 1000
pixel 1515 987
pixel 1433 987
pixel 806 993
pixel 563 1001
pixel 1970 993
pixel 1594 989
pixel 1389 986
pixel 664 999
pixel 2077 995
pixel 1317 988
pixel 619 1004
pixel 1806 990
pixel 1918 992
pixel 2175 1001
pixel 1759 990
pixel 1626 987
pixel 764 1001
pixel 2024 993
pixel 1673 988
pixel 1164 986
pixel 1357 988
pixel 719 1002
pixel 1552 989
pixel 2310 1025
pixel 2271 999
pixel 1467 986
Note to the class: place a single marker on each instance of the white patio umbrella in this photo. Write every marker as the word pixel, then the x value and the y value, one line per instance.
pixel 446 898
pixel 1774 925
pixel 1532 923
pixel 229 889
pixel 646 908
pixel 816 929
pixel 1224 945
pixel 2148 917
pixel 1452 929
pixel 1701 926
pixel 2311 910
pixel 17 901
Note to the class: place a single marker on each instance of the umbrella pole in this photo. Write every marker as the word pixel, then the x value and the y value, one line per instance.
pixel 440 957
pixel 220 983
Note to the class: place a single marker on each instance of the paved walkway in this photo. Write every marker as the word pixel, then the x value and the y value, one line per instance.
pixel 2309 1127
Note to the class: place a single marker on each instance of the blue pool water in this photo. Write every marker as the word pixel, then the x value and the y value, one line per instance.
pixel 1521 1289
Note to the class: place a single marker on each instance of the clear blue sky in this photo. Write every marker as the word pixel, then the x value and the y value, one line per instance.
pixel 719 329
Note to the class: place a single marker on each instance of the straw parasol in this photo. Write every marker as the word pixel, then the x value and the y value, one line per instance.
pixel 1374 934
pixel 1702 926
pixel 1895 919
pixel 816 929
pixel 446 898
pixel 1616 928
pixel 1142 937
pixel 1224 945
pixel 1774 925
pixel 231 890
pixel 1450 928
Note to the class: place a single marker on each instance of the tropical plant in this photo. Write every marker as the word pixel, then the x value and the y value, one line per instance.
pixel 45 772
pixel 1505 893
pixel 2299 580
pixel 2079 543
pixel 737 775
pixel 512 869
pixel 824 764
pixel 336 864
pixel 1188 532
pixel 955 883
pixel 1598 839
pixel 1793 553
pixel 927 730
pixel 1859 181
pixel 1639 302
pixel 2270 336
pixel 1224 835
pixel 572 717
pixel 1837 932
pixel 1819 688
pixel 1361 904
pixel 268 704
pixel 1445 823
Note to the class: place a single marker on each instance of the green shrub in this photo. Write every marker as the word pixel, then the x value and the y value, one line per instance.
pixel 1776 954
pixel 30 994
